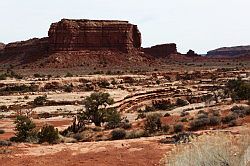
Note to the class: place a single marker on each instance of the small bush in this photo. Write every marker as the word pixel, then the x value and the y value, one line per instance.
pixel 118 134
pixel 181 102
pixel 229 118
pixel 141 116
pixel 103 84
pixel 149 109
pixel 153 123
pixel 69 75
pixel 214 120
pixel 167 114
pixel 232 123
pixel 184 120
pixel 162 104
pixel 165 128
pixel 199 123
pixel 135 134
pixel 40 100
pixel 2 131
pixel 78 136
pixel 48 134
pixel 178 128
pixel 184 113
pixel 24 130
pixel 113 118
pixel 5 143
pixel 126 125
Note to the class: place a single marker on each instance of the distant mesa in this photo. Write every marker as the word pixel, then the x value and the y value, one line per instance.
pixel 161 51
pixel 238 51
pixel 192 53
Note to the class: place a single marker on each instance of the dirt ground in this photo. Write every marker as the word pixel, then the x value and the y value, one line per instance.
pixel 141 152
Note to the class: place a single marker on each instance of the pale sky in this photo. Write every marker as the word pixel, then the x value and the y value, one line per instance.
pixel 200 25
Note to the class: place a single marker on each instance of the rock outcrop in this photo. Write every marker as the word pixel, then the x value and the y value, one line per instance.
pixel 230 52
pixel 161 51
pixel 76 35
pixel 192 53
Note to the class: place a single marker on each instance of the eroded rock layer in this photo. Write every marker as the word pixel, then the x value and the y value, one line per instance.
pixel 75 35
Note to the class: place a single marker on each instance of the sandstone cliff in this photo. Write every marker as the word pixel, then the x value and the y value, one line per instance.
pixel 161 51
pixel 75 35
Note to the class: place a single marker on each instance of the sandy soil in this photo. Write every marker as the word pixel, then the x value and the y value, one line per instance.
pixel 141 152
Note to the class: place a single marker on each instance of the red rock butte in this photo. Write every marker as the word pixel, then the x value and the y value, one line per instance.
pixel 75 35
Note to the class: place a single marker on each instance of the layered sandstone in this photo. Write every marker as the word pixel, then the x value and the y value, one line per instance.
pixel 161 51
pixel 76 35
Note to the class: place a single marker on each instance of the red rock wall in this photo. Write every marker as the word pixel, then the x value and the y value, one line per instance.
pixel 74 35
pixel 163 50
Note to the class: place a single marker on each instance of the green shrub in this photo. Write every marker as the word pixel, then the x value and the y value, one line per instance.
pixel 167 114
pixel 141 116
pixel 199 123
pixel 2 131
pixel 178 128
pixel 181 102
pixel 184 120
pixel 153 123
pixel 184 113
pixel 5 143
pixel 118 134
pixel 165 128
pixel 69 74
pixel 230 117
pixel 113 118
pixel 103 84
pixel 24 129
pixel 162 104
pixel 149 109
pixel 214 120
pixel 48 134
pixel 3 77
pixel 40 100
pixel 68 88
pixel 135 134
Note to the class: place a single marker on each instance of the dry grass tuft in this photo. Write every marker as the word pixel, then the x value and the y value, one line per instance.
pixel 218 149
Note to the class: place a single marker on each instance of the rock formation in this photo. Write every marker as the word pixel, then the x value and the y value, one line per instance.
pixel 230 51
pixel 75 35
pixel 82 42
pixel 161 51
pixel 192 53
